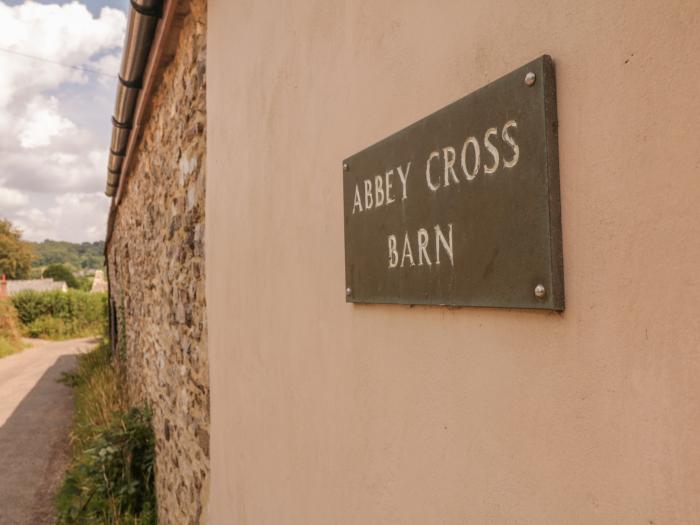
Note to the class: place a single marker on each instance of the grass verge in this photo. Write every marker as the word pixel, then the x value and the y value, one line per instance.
pixel 110 479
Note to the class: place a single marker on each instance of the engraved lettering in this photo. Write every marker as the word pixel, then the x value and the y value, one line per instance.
pixel 516 150
pixel 393 254
pixel 433 155
pixel 475 171
pixel 449 160
pixel 492 150
pixel 358 202
pixel 378 191
pixel 404 177
pixel 368 194
pixel 388 186
pixel 407 252
pixel 447 246
pixel 423 247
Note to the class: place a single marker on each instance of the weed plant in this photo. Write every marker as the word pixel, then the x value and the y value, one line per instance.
pixel 111 477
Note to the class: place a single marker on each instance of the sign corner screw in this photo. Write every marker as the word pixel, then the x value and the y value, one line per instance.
pixel 530 78
pixel 540 291
pixel 346 166
pixel 348 292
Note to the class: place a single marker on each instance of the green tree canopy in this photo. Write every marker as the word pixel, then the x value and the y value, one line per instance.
pixel 58 272
pixel 75 255
pixel 15 255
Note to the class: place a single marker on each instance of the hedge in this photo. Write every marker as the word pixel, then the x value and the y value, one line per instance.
pixel 61 315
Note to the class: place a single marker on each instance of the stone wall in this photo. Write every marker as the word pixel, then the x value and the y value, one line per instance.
pixel 156 271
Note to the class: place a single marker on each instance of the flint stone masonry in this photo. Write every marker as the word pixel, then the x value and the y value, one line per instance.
pixel 156 271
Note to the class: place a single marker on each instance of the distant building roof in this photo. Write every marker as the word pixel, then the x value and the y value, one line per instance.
pixel 38 285
pixel 99 284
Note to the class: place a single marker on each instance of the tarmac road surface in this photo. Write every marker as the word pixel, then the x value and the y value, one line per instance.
pixel 35 418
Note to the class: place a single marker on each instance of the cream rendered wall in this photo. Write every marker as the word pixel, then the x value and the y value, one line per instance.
pixel 323 412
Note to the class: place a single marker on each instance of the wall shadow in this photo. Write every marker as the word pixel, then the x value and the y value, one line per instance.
pixel 34 446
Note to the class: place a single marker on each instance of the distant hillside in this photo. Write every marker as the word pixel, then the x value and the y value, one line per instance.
pixel 86 255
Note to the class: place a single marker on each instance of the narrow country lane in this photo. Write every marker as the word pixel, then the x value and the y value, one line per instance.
pixel 35 419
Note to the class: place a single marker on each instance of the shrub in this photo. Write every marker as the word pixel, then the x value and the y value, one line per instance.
pixel 10 337
pixel 48 327
pixel 111 478
pixel 9 325
pixel 59 272
pixel 59 315
pixel 7 347
pixel 85 283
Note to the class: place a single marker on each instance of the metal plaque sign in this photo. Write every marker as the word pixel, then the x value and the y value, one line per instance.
pixel 462 207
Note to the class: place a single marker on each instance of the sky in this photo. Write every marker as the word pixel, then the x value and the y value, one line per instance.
pixel 55 120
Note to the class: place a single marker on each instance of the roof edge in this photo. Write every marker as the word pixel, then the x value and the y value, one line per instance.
pixel 157 58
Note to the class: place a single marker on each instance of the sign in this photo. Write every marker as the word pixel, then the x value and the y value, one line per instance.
pixel 462 207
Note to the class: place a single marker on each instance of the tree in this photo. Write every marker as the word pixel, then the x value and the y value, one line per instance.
pixel 84 255
pixel 58 272
pixel 16 255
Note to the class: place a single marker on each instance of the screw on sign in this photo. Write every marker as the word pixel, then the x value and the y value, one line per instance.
pixel 540 291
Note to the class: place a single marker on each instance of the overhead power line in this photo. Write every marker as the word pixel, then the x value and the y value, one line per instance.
pixel 41 59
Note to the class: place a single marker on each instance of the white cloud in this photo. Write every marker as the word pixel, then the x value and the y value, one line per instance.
pixel 54 120
pixel 108 62
pixel 34 223
pixel 67 34
pixel 41 122
pixel 74 217
pixel 12 199
pixel 50 170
